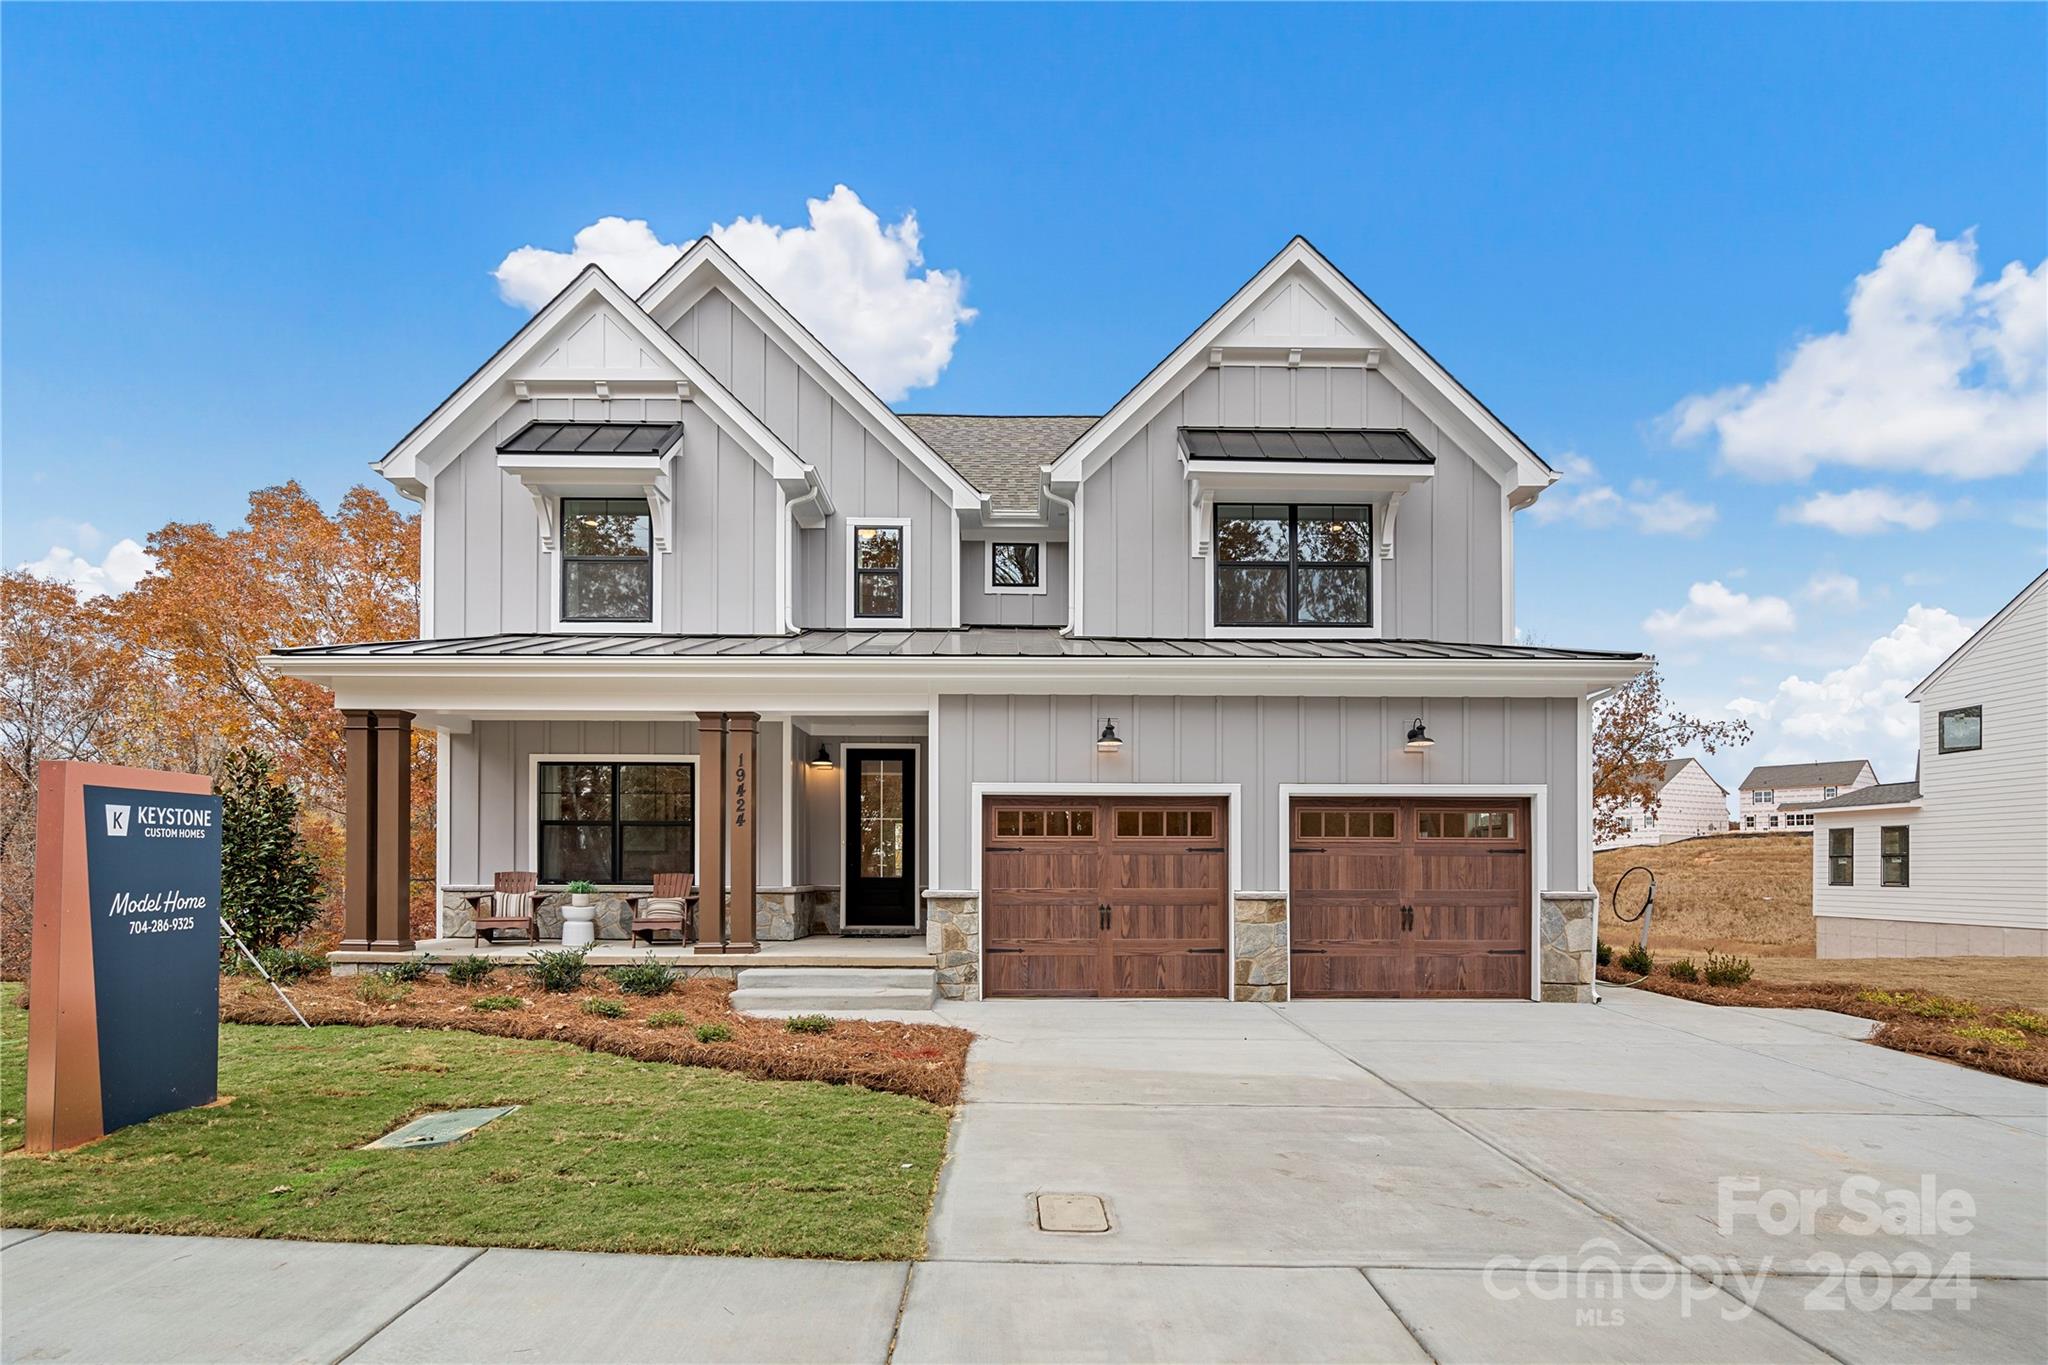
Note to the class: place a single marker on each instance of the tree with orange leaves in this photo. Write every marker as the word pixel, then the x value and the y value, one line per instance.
pixel 1635 731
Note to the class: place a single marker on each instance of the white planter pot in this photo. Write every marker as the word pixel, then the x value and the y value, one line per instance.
pixel 579 922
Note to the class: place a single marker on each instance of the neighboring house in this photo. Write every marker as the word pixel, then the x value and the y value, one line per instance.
pixel 1779 796
pixel 1956 861
pixel 1689 803
pixel 1213 695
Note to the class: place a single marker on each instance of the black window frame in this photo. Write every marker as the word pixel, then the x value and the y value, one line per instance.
pixel 617 825
pixel 1037 583
pixel 1292 564
pixel 1842 861
pixel 902 554
pixel 1941 743
pixel 1903 858
pixel 646 562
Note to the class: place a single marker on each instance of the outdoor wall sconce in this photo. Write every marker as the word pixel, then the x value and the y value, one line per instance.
pixel 823 760
pixel 1107 742
pixel 1418 738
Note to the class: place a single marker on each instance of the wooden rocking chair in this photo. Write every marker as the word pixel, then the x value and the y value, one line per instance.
pixel 507 905
pixel 664 910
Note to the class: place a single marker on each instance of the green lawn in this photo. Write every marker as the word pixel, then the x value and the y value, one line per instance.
pixel 606 1154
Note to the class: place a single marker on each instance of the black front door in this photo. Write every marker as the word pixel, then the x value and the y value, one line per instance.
pixel 881 839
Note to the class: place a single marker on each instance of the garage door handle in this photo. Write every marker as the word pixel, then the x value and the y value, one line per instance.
pixel 997 848
pixel 1205 950
pixel 1220 848
pixel 1308 850
pixel 1105 915
pixel 1002 950
pixel 1497 852
pixel 1317 951
pixel 1407 918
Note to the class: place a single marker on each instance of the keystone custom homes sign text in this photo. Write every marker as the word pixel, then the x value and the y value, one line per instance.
pixel 124 974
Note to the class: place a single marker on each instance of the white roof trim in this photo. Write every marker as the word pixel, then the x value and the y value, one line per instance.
pixel 412 461
pixel 1458 411
pixel 1966 646
pixel 705 263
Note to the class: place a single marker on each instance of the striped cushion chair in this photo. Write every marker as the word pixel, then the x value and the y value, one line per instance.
pixel 510 902
pixel 666 910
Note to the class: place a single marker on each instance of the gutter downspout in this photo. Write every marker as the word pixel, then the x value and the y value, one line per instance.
pixel 1073 626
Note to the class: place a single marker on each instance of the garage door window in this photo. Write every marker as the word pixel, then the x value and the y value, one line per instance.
pixel 1165 824
pixel 1346 824
pixel 1045 824
pixel 1465 824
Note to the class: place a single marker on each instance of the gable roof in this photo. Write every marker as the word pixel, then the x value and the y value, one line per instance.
pixel 1457 409
pixel 1834 774
pixel 2004 614
pixel 1674 766
pixel 1879 794
pixel 704 263
pixel 1002 456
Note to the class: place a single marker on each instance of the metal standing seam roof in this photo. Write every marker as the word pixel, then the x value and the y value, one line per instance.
pixel 593 438
pixel 1325 445
pixel 1880 794
pixel 1835 774
pixel 1000 456
pixel 990 642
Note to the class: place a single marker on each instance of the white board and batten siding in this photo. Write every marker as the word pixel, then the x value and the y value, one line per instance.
pixel 980 607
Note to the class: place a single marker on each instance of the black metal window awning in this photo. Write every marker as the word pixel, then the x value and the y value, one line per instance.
pixel 1321 445
pixel 593 438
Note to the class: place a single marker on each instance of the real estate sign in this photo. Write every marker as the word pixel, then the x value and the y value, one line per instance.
pixel 124 975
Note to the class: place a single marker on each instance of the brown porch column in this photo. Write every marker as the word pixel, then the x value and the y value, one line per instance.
pixel 391 880
pixel 710 831
pixel 359 869
pixel 741 750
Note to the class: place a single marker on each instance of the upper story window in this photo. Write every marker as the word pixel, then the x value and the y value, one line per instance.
pixel 607 560
pixel 1013 566
pixel 1766 797
pixel 1962 730
pixel 878 572
pixel 1303 564
pixel 1829 793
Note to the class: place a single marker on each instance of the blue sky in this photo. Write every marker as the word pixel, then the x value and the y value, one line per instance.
pixel 250 243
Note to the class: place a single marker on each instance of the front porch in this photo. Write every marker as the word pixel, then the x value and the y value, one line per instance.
pixel 683 958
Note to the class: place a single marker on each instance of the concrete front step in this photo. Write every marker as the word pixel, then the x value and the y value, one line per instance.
pixel 801 990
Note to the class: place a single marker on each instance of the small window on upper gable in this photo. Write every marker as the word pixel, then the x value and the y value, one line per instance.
pixel 607 560
pixel 878 572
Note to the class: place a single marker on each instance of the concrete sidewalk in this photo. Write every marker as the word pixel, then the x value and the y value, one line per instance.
pixel 1318 1181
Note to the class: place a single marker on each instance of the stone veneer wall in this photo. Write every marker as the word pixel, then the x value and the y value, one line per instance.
pixel 1566 946
pixel 952 934
pixel 1259 947
pixel 614 918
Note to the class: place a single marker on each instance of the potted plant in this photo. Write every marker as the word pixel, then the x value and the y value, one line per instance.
pixel 579 916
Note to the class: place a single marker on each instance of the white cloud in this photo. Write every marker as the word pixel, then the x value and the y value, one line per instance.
pixel 1587 500
pixel 1859 711
pixel 1865 511
pixel 1830 588
pixel 1932 372
pixel 852 279
pixel 1713 612
pixel 122 568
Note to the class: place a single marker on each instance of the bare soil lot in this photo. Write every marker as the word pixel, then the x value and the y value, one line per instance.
pixel 1745 894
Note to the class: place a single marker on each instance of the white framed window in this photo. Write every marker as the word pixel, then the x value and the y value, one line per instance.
pixel 606 569
pixel 1015 567
pixel 877 568
pixel 613 819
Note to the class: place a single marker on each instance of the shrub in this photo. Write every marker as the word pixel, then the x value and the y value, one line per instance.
pixel 558 970
pixel 269 880
pixel 1996 1037
pixel 1636 959
pixel 668 1019
pixel 412 969
pixel 285 965
pixel 641 978
pixel 492 1003
pixel 1725 970
pixel 2027 1021
pixel 375 988
pixel 807 1023
pixel 713 1033
pixel 603 1008
pixel 471 971
pixel 1919 1004
pixel 1683 970
pixel 1603 953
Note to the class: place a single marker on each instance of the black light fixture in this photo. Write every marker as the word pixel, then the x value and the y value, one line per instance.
pixel 1418 738
pixel 1107 742
pixel 824 759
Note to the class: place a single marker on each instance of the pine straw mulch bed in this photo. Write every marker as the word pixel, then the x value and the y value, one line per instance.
pixel 2006 1040
pixel 925 1061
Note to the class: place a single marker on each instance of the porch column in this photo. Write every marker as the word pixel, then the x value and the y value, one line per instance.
pixel 392 878
pixel 742 729
pixel 360 812
pixel 711 831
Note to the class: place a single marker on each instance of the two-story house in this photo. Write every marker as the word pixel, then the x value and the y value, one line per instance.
pixel 1778 795
pixel 1954 862
pixel 1212 695
pixel 1690 803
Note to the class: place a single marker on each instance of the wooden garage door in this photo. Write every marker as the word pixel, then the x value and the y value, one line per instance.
pixel 1094 897
pixel 1410 898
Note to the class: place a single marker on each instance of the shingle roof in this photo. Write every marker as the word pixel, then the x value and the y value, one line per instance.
pixel 973 641
pixel 1001 456
pixel 1804 774
pixel 1329 445
pixel 1882 794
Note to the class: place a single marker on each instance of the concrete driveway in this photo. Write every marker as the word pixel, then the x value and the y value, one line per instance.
pixel 1484 1182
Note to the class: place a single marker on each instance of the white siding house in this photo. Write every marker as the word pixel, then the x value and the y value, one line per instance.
pixel 1957 861
pixel 1779 796
pixel 1689 803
